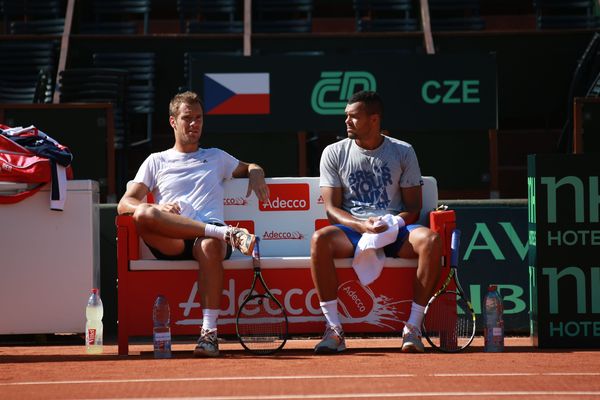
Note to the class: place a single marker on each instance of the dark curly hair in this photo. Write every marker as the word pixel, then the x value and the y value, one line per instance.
pixel 372 101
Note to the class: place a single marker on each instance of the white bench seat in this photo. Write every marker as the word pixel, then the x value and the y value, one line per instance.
pixel 246 263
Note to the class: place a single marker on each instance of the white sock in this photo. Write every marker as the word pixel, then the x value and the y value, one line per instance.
pixel 215 231
pixel 416 316
pixel 330 311
pixel 209 319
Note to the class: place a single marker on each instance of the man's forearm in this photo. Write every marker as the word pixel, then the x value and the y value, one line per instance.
pixel 255 169
pixel 339 216
pixel 409 217
pixel 127 205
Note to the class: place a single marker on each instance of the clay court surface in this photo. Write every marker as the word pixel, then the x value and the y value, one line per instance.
pixel 370 369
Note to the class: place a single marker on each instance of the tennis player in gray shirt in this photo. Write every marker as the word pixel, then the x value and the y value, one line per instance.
pixel 364 177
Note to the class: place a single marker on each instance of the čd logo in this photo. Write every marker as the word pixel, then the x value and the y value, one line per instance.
pixel 330 94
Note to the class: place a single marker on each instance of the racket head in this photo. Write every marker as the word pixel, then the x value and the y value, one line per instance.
pixel 261 324
pixel 449 322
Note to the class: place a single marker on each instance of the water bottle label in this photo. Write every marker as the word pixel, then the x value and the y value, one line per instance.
pixel 497 331
pixel 91 336
pixel 162 336
pixel 162 345
pixel 162 341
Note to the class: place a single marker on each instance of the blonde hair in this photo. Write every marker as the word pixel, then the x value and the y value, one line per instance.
pixel 183 98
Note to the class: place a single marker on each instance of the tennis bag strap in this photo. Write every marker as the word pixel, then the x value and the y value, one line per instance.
pixel 18 164
pixel 15 198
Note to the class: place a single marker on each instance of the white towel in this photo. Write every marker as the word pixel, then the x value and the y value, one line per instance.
pixel 369 256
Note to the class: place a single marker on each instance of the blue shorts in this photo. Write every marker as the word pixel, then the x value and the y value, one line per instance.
pixel 392 249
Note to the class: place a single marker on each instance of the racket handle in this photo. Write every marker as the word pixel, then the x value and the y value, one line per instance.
pixel 256 250
pixel 454 244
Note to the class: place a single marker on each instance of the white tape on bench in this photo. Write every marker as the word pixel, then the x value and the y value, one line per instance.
pixel 266 263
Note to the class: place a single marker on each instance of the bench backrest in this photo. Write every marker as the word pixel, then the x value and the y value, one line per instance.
pixel 286 224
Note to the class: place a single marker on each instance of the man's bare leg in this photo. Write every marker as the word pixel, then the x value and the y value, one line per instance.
pixel 326 245
pixel 426 245
pixel 209 253
pixel 151 221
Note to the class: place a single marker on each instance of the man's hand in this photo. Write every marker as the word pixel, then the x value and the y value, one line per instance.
pixel 257 184
pixel 374 225
pixel 172 208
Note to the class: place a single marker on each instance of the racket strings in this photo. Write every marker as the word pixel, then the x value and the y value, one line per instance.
pixel 261 325
pixel 449 323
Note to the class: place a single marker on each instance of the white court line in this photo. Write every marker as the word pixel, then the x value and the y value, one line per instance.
pixel 376 395
pixel 216 378
pixel 519 374
pixel 572 373
pixel 287 377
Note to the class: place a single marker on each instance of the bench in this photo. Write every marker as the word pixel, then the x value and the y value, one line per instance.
pixel 285 225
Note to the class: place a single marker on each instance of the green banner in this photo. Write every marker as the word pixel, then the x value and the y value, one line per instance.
pixel 564 243
pixel 291 93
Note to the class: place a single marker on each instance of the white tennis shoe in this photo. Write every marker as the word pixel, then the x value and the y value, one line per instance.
pixel 333 341
pixel 411 340
pixel 208 344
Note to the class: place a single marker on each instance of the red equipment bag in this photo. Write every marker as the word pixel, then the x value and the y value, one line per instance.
pixel 21 165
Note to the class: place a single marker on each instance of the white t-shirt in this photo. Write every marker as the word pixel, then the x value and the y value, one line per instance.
pixel 370 179
pixel 195 180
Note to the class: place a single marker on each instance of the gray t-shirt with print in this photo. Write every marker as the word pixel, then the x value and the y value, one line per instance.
pixel 370 179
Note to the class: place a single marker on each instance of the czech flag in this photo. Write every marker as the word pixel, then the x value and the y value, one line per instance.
pixel 235 93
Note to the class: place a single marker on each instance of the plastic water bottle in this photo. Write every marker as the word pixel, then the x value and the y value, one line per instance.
pixel 494 322
pixel 161 316
pixel 94 312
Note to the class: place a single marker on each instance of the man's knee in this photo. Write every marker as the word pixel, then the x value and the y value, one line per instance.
pixel 144 215
pixel 210 249
pixel 430 242
pixel 320 240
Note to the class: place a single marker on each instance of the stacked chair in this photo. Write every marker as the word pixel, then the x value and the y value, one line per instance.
pixel 384 16
pixel 27 70
pixel 45 17
pixel 101 85
pixel 566 14
pixel 209 16
pixel 98 85
pixel 117 17
pixel 140 90
pixel 455 15
pixel 281 16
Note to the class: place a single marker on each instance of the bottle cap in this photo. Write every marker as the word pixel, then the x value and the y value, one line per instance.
pixel 95 290
pixel 492 288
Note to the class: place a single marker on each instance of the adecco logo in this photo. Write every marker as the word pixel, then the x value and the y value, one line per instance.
pixel 273 235
pixel 287 197
pixel 234 201
pixel 355 301
pixel 357 304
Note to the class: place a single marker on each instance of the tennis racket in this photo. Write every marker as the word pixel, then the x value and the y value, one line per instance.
pixel 261 323
pixel 449 322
